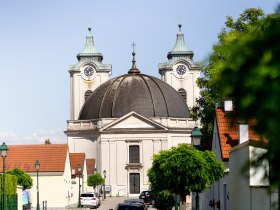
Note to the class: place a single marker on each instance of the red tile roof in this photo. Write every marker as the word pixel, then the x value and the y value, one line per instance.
pixel 228 130
pixel 52 157
pixel 75 159
pixel 90 166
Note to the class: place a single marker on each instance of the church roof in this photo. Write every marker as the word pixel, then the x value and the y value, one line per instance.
pixel 180 49
pixel 90 50
pixel 52 157
pixel 143 94
pixel 179 53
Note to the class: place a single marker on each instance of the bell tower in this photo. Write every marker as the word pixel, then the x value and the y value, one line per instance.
pixel 180 71
pixel 86 75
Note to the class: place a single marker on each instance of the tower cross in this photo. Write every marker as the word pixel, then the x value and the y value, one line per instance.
pixel 133 46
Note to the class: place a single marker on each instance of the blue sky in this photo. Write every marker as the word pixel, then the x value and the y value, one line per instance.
pixel 40 39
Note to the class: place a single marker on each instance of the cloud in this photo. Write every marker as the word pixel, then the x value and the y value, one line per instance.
pixel 56 136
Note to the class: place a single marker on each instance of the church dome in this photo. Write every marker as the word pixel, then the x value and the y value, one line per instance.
pixel 143 94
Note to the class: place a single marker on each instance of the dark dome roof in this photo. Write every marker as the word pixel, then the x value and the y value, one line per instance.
pixel 146 95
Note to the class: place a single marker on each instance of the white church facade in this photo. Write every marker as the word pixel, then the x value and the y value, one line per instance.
pixel 122 122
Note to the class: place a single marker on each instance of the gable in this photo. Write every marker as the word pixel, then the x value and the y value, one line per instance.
pixel 133 121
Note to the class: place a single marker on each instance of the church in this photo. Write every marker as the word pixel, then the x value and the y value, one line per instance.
pixel 122 122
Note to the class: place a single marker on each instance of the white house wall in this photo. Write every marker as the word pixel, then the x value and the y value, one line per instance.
pixel 257 174
pixel 55 189
pixel 219 190
pixel 243 193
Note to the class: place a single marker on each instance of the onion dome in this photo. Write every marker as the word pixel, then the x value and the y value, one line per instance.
pixel 143 94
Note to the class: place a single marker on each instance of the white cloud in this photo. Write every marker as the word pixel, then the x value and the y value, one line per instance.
pixel 56 136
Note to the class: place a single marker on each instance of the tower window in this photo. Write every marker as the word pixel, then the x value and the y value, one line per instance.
pixel 134 154
pixel 183 94
pixel 87 94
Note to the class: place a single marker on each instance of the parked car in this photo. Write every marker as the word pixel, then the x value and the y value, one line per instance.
pixel 130 206
pixel 90 199
pixel 136 201
pixel 147 196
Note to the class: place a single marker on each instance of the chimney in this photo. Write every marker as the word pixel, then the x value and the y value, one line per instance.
pixel 243 132
pixel 228 105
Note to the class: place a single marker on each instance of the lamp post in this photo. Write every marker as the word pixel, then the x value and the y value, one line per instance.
pixel 104 173
pixel 196 139
pixel 79 172
pixel 37 167
pixel 4 153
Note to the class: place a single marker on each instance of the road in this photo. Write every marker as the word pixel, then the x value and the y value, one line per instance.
pixel 108 203
pixel 111 202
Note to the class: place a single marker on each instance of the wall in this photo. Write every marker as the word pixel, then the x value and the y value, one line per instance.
pixel 247 191
pixel 54 187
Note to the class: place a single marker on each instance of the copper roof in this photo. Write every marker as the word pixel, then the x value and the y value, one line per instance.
pixel 52 157
pixel 228 131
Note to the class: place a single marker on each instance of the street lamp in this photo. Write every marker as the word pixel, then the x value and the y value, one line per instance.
pixel 196 137
pixel 196 140
pixel 104 173
pixel 4 153
pixel 37 167
pixel 79 172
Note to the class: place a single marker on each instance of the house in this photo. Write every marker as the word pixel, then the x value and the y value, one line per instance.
pixel 54 174
pixel 78 177
pixel 227 134
pixel 249 190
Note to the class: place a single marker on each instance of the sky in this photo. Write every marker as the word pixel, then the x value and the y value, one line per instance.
pixel 39 40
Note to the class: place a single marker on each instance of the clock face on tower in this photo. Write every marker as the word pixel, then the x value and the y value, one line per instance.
pixel 88 71
pixel 181 69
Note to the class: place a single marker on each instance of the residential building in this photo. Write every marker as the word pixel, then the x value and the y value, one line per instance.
pixel 55 184
pixel 236 143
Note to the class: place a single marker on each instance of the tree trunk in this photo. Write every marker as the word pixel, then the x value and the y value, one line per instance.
pixel 182 202
pixel 183 205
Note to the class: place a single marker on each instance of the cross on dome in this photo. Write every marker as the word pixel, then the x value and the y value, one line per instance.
pixel 133 69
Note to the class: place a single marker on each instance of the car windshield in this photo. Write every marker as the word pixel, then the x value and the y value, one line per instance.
pixel 87 195
pixel 130 208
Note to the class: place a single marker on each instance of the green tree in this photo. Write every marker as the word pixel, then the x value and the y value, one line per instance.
pixel 211 92
pixel 184 169
pixel 48 141
pixel 164 200
pixel 23 179
pixel 95 180
pixel 252 74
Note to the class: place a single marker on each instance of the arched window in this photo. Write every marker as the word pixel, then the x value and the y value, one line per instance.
pixel 183 93
pixel 87 94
